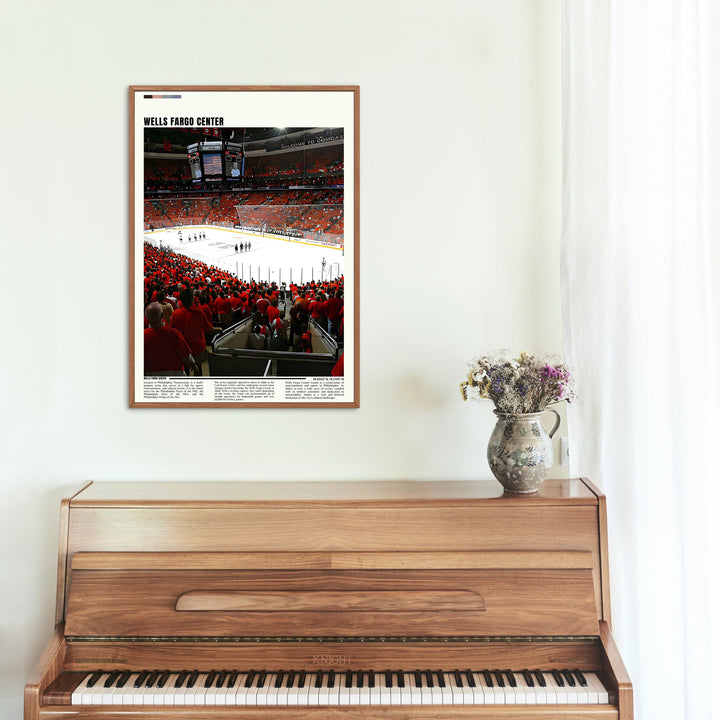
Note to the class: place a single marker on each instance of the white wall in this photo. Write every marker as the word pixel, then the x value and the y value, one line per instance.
pixel 460 154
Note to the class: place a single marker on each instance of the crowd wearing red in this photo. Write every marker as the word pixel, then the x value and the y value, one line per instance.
pixel 188 301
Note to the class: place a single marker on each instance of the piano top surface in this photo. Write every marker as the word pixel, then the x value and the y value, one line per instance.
pixel 567 491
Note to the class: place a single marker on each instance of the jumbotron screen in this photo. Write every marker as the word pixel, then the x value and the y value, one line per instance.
pixel 212 165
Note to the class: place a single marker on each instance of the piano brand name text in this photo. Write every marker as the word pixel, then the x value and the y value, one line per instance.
pixel 331 659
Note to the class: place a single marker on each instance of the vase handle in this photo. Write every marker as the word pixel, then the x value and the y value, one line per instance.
pixel 557 422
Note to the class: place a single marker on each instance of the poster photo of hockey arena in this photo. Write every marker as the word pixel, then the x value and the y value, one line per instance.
pixel 243 247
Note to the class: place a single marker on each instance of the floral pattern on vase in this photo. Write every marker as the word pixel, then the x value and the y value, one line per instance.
pixel 520 451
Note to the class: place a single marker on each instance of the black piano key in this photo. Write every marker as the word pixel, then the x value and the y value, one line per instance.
pixel 331 678
pixel 251 678
pixel 210 679
pixel 290 679
pixel 94 678
pixel 122 680
pixel 580 678
pixel 371 678
pixel 418 679
pixel 429 679
pixel 488 678
pixel 261 678
pixel 470 678
pixel 511 678
pixel 401 679
pixel 540 678
pixel 152 678
pixel 318 679
pixel 302 678
pixel 458 678
pixel 220 679
pixel 348 678
pixel 232 678
pixel 140 679
pixel 192 679
pixel 278 679
pixel 569 677
pixel 499 678
pixel 111 678
pixel 441 678
pixel 181 678
pixel 558 678
pixel 360 679
pixel 162 680
pixel 388 678
pixel 528 678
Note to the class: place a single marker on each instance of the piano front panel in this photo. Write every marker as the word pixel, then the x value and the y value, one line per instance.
pixel 236 603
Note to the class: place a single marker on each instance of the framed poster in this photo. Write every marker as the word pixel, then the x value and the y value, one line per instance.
pixel 244 246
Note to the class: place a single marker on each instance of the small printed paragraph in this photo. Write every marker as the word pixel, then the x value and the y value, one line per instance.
pixel 244 390
pixel 172 389
pixel 315 389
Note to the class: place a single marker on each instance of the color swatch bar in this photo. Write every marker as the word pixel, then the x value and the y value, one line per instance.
pixel 160 97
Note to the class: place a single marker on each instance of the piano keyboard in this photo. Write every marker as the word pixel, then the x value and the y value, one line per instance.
pixel 357 687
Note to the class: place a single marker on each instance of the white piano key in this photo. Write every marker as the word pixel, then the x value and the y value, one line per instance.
pixel 529 691
pixel 467 690
pixel 313 693
pixel 436 693
pixel 426 695
pixel 456 693
pixel 259 688
pixel 306 690
pixel 516 690
pixel 395 693
pixel 77 696
pixel 477 693
pixel 446 693
pixel 384 689
pixel 375 692
pixel 407 696
pixel 364 693
pixel 596 692
pixel 272 691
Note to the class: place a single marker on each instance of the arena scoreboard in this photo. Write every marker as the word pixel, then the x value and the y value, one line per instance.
pixel 215 160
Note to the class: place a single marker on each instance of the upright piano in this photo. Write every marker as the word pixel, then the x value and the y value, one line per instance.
pixel 375 600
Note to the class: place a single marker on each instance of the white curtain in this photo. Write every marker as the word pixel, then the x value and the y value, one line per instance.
pixel 641 317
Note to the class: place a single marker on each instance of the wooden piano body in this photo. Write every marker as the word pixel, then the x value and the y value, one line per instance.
pixel 330 576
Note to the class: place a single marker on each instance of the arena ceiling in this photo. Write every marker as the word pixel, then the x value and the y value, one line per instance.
pixel 186 137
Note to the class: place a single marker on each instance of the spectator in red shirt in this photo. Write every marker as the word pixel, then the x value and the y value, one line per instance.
pixel 193 324
pixel 339 367
pixel 317 311
pixel 262 305
pixel 333 307
pixel 165 349
pixel 273 312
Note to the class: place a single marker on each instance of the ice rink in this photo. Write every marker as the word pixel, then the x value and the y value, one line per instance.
pixel 269 259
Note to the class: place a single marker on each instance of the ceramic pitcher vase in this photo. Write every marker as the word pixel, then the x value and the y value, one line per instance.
pixel 520 450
